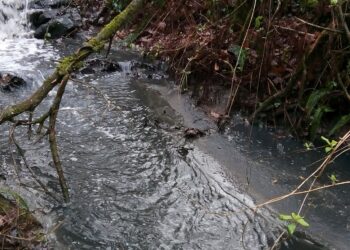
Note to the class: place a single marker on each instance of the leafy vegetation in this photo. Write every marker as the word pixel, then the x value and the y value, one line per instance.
pixel 293 221
pixel 282 62
pixel 330 144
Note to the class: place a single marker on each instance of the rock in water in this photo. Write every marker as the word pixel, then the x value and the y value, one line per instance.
pixel 193 133
pixel 40 17
pixel 52 26
pixel 8 82
pixel 43 4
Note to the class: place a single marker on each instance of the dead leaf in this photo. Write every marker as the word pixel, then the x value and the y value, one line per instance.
pixel 216 67
pixel 215 115
pixel 161 25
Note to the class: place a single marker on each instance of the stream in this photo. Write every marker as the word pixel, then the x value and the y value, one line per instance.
pixel 135 182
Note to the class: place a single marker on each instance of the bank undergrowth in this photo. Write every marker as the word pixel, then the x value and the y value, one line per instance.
pixel 280 62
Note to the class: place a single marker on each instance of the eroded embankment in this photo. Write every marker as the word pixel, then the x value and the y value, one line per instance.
pixel 282 63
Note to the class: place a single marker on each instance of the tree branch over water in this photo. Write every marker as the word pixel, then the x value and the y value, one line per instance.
pixel 61 75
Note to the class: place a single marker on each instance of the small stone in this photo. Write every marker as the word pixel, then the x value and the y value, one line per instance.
pixel 192 133
pixel 8 82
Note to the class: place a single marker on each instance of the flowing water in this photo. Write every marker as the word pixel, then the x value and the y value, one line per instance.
pixel 134 183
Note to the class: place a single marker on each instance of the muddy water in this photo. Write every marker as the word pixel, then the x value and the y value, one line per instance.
pixel 135 183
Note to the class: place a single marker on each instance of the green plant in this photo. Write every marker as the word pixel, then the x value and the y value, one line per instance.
pixel 184 75
pixel 330 144
pixel 308 145
pixel 333 179
pixel 334 2
pixel 293 220
pixel 240 53
pixel 258 21
pixel 345 119
pixel 309 3
pixel 316 119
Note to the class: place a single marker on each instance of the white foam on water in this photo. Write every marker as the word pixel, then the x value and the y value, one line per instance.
pixel 18 50
pixel 13 18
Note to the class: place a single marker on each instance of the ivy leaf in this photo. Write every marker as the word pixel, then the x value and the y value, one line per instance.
pixel 333 179
pixel 302 222
pixel 334 2
pixel 291 228
pixel 333 143
pixel 240 53
pixel 308 145
pixel 296 216
pixel 258 21
pixel 326 140
pixel 285 217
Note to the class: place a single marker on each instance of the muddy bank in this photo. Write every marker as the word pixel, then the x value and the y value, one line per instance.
pixel 268 60
pixel 265 163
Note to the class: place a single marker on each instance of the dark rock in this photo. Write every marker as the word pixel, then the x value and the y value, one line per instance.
pixel 8 82
pixel 192 133
pixel 143 65
pixel 43 4
pixel 111 67
pixel 148 70
pixel 34 16
pixel 87 71
pixel 3 17
pixel 183 150
pixel 94 65
pixel 40 17
pixel 54 29
pixel 57 27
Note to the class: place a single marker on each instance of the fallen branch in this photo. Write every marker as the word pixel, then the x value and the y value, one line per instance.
pixel 73 62
pixel 21 153
pixel 340 81
pixel 52 138
pixel 60 76
pixel 343 21
pixel 318 26
pixel 318 172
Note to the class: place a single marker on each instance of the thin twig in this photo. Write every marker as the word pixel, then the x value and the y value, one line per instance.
pixel 52 138
pixel 318 26
pixel 234 91
pixel 21 153
pixel 343 21
pixel 340 81
pixel 317 173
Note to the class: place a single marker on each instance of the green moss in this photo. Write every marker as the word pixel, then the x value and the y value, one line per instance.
pixel 96 45
pixel 69 64
pixel 65 65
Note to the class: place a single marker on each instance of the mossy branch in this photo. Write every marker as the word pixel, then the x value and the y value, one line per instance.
pixel 73 62
pixel 66 66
